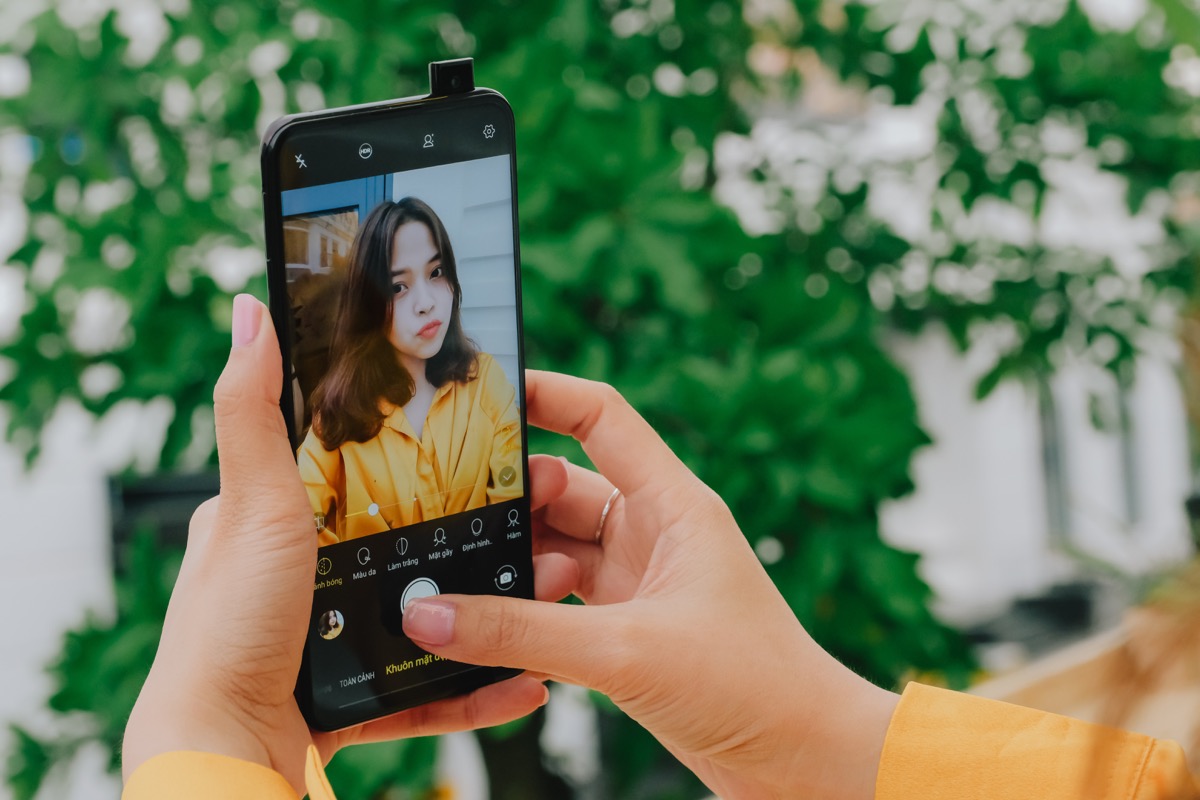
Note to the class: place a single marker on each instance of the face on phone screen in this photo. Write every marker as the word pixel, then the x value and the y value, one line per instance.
pixel 406 393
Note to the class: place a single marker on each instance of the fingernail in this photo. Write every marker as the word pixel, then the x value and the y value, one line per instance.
pixel 545 696
pixel 247 316
pixel 565 463
pixel 429 621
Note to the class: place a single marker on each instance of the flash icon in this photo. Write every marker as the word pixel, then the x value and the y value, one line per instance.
pixel 300 161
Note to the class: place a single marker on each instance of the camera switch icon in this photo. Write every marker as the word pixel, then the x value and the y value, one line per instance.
pixel 506 578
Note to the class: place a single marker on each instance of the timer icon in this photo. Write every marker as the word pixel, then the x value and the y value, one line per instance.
pixel 489 131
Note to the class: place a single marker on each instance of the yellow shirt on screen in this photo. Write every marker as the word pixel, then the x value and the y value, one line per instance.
pixel 468 455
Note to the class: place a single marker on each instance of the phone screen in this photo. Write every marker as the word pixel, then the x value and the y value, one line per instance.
pixel 394 278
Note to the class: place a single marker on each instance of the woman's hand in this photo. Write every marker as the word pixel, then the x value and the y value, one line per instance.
pixel 683 628
pixel 226 666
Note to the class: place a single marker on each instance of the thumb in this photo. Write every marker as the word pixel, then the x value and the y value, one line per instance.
pixel 584 645
pixel 258 472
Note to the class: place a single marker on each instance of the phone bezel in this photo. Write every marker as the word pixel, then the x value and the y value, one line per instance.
pixel 280 309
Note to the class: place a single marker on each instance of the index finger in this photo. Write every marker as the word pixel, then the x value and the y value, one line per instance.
pixel 619 442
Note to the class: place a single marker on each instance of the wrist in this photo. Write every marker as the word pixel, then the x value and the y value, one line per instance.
pixel 161 725
pixel 837 742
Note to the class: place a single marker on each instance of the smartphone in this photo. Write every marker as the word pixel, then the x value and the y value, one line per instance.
pixel 394 282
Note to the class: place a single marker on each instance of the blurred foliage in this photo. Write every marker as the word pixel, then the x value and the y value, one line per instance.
pixel 101 670
pixel 757 357
pixel 1037 108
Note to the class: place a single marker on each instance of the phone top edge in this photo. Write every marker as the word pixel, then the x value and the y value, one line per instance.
pixel 275 131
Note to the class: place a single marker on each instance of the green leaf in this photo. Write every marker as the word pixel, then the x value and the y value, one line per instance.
pixel 29 762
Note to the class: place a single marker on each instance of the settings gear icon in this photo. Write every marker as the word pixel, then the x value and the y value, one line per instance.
pixel 489 131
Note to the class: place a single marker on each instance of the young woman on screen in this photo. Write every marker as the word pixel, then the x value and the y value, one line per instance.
pixel 411 422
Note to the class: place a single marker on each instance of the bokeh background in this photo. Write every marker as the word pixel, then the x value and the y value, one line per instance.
pixel 910 283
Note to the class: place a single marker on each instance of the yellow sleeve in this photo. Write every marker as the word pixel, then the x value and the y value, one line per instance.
pixel 205 776
pixel 499 402
pixel 944 745
pixel 322 471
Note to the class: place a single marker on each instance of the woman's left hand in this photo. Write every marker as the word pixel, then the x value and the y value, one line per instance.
pixel 226 666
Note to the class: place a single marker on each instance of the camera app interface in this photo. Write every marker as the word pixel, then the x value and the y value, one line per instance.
pixel 405 390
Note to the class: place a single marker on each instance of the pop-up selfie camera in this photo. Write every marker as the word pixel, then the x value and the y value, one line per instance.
pixel 456 76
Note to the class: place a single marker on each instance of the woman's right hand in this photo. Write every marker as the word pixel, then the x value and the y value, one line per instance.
pixel 683 628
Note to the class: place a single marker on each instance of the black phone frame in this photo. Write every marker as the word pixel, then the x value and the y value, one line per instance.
pixel 273 142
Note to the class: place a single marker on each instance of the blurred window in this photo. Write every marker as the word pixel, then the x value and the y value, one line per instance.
pixel 295 244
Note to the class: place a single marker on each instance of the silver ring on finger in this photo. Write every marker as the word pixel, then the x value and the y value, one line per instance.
pixel 612 498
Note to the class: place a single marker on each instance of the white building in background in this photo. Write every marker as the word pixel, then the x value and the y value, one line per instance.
pixel 1021 491
pixel 58 569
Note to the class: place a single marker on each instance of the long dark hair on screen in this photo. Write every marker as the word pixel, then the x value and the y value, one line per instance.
pixel 363 368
